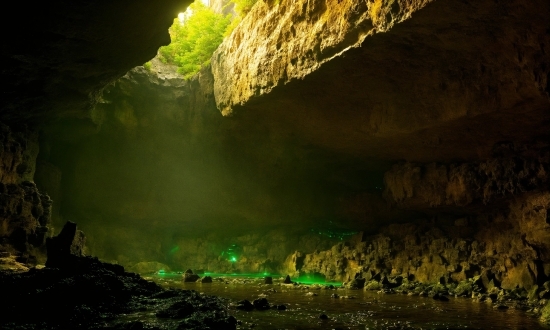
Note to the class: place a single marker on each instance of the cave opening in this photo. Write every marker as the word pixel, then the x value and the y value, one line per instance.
pixel 299 164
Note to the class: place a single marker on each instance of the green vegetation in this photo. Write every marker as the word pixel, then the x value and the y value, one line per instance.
pixel 195 39
pixel 242 7
pixel 147 65
pixel 196 35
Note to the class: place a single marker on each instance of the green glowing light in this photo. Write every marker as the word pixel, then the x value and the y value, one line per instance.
pixel 232 253
pixel 174 249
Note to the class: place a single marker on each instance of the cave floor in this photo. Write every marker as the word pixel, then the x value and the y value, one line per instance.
pixel 360 310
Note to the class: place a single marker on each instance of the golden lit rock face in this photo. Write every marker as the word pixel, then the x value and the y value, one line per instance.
pixel 279 41
pixel 510 248
pixel 438 81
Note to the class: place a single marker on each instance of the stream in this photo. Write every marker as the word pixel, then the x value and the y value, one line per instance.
pixel 360 310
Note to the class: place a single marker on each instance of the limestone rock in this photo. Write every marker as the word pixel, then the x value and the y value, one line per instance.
pixel 501 254
pixel 65 247
pixel 461 185
pixel 287 280
pixel 188 276
pixel 293 39
pixel 545 316
pixel 206 279
pixel 261 304
pixel 65 76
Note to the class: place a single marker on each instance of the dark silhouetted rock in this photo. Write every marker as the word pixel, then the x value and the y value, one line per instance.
pixel 281 307
pixel 245 305
pixel 357 283
pixel 440 297
pixel 287 280
pixel 63 248
pixel 206 279
pixel 268 280
pixel 323 317
pixel 261 304
pixel 190 277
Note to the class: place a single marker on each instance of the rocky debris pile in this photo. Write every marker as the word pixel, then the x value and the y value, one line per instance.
pixel 196 311
pixel 507 249
pixel 78 292
pixel 497 256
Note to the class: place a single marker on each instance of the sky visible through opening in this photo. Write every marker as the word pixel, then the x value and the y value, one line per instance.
pixel 186 14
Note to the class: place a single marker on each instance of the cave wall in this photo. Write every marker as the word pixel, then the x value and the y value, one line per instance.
pixel 509 245
pixel 320 99
pixel 24 210
pixel 427 81
pixel 58 56
pixel 159 159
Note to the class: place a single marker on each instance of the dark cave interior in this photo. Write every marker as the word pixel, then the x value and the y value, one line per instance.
pixel 354 141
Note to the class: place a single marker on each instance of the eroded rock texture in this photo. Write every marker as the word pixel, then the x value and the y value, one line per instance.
pixel 445 81
pixel 462 185
pixel 281 41
pixel 509 248
pixel 324 97
pixel 24 210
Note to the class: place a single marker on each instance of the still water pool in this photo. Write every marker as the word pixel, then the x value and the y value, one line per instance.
pixel 365 309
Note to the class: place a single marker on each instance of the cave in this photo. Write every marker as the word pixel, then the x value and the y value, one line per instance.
pixel 379 164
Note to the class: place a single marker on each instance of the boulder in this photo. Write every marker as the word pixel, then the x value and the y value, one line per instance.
pixel 373 285
pixel 287 280
pixel 188 276
pixel 63 248
pixel 245 305
pixel 357 283
pixel 206 279
pixel 261 304
pixel 268 280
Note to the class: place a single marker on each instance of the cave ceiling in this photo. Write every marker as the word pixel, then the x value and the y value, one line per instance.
pixel 58 55
pixel 447 82
pixel 430 81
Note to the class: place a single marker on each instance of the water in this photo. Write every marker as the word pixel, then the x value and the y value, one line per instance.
pixel 368 310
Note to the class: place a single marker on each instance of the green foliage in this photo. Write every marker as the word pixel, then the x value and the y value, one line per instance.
pixel 232 26
pixel 195 40
pixel 242 7
pixel 147 65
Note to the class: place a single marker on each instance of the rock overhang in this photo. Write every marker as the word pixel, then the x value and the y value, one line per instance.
pixel 425 81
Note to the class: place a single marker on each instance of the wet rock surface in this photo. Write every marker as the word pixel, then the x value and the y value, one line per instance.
pixel 411 305
pixel 78 292
pixel 92 294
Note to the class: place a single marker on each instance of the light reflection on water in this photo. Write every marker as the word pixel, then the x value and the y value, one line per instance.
pixel 368 310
